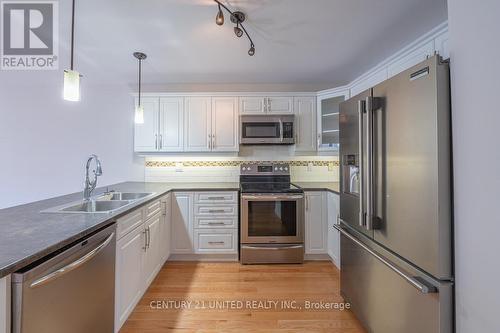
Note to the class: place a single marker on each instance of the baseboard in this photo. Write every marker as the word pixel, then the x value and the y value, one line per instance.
pixel 203 257
pixel 318 257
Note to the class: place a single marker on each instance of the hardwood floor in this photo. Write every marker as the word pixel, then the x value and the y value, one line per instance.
pixel 209 285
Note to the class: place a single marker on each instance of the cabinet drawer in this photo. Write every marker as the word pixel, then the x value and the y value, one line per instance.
pixel 215 222
pixel 216 241
pixel 216 197
pixel 216 210
pixel 129 222
pixel 152 208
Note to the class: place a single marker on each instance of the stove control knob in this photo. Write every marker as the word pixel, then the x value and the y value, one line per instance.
pixel 276 168
pixel 281 168
pixel 286 168
pixel 243 168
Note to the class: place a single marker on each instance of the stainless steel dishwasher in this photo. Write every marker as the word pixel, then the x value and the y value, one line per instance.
pixel 73 291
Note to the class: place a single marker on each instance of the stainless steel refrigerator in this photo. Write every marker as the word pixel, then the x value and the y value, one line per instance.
pixel 396 202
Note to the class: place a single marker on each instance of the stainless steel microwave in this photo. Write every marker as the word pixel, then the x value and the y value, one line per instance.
pixel 267 129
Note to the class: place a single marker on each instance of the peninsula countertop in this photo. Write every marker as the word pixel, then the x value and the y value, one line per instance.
pixel 319 186
pixel 27 234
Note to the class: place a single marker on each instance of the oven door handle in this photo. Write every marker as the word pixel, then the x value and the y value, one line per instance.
pixel 272 197
pixel 277 248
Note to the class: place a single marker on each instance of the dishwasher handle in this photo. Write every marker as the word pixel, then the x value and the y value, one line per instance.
pixel 75 264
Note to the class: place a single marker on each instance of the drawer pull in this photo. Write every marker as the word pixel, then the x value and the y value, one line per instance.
pixel 216 243
pixel 216 210
pixel 216 198
pixel 216 223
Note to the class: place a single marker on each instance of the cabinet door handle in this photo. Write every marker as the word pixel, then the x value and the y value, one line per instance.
pixel 216 243
pixel 307 203
pixel 213 141
pixel 145 247
pixel 216 223
pixel 209 143
pixel 161 141
pixel 156 141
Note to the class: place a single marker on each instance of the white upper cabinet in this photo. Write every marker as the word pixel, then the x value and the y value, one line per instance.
pixel 146 135
pixel 263 105
pixel 225 127
pixel 328 120
pixel 411 59
pixel 280 105
pixel 198 123
pixel 252 105
pixel 305 120
pixel 171 124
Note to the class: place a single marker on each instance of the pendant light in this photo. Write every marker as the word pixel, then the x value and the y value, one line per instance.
pixel 72 77
pixel 139 110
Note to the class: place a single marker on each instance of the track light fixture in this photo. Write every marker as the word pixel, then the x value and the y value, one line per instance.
pixel 237 18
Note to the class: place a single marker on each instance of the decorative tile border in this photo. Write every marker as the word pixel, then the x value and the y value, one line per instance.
pixel 165 164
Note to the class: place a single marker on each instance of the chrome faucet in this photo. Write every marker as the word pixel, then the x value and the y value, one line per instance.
pixel 90 185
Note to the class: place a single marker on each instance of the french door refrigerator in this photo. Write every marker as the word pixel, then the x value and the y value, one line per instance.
pixel 396 202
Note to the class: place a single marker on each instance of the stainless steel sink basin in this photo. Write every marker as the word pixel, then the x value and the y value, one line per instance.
pixel 123 196
pixel 104 203
pixel 96 206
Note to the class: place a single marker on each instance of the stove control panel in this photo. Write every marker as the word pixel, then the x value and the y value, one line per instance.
pixel 265 169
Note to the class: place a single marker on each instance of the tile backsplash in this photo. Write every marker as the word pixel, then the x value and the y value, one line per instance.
pixel 199 169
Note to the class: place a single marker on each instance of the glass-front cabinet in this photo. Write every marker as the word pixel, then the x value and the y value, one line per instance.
pixel 328 120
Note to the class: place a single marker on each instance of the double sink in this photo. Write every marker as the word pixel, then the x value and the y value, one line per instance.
pixel 104 203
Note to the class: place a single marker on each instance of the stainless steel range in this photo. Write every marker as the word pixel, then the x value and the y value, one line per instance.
pixel 272 215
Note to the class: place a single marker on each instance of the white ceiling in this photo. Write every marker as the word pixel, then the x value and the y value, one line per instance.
pixel 310 42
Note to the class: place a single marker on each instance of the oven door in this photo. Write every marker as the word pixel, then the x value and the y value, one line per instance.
pixel 272 218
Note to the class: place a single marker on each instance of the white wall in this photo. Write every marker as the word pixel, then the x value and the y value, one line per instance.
pixel 45 141
pixel 474 30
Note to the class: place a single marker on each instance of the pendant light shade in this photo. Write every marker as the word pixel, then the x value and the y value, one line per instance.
pixel 139 114
pixel 71 85
pixel 72 77
pixel 139 110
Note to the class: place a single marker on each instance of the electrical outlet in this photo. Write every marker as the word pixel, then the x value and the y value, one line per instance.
pixel 330 166
pixel 309 167
pixel 179 167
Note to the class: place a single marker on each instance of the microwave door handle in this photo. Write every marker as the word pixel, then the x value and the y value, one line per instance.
pixel 361 107
pixel 281 130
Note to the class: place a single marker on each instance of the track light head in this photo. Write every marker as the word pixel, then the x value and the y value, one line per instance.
pixel 219 19
pixel 251 52
pixel 237 30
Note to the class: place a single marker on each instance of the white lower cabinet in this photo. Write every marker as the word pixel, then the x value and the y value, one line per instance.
pixel 5 304
pixel 130 256
pixel 140 254
pixel 333 202
pixel 316 241
pixel 216 240
pixel 153 260
pixel 216 223
pixel 182 223
pixel 166 226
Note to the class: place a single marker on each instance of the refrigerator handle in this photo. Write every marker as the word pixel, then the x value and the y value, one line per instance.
pixel 361 108
pixel 415 281
pixel 369 163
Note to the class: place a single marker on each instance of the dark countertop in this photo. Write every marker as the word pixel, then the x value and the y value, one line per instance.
pixel 27 235
pixel 319 186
